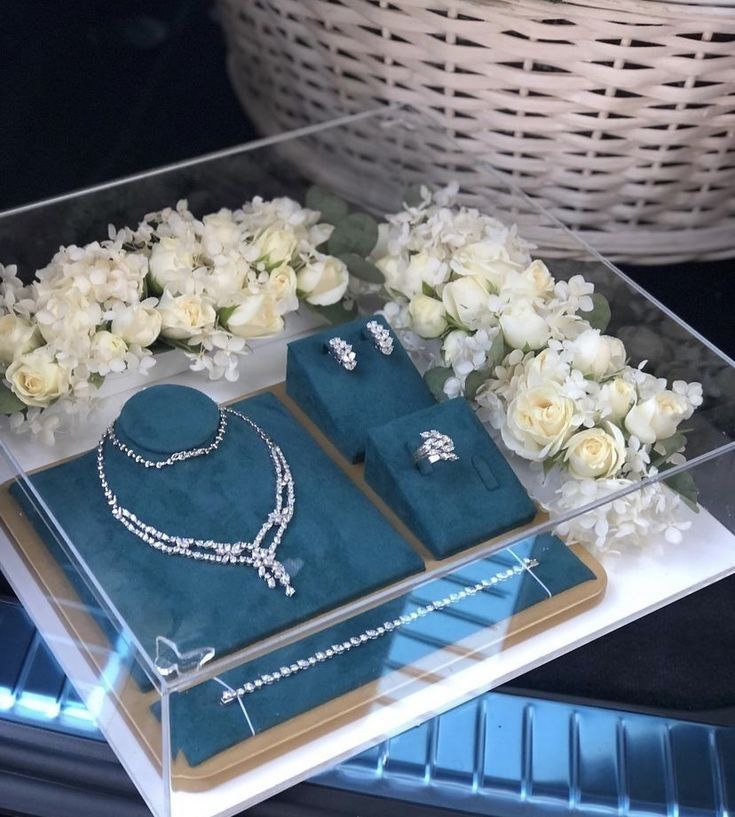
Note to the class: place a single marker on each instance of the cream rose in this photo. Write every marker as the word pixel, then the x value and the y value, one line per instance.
pixel 656 418
pixel 538 422
pixel 619 395
pixel 533 282
pixel 227 278
pixel 221 231
pixel 597 355
pixel 466 301
pixel 488 260
pixel 423 267
pixel 171 264
pixel 595 452
pixel 108 350
pixel 255 316
pixel 137 325
pixel 523 327
pixel 183 316
pixel 282 288
pixel 276 246
pixel 428 316
pixel 17 336
pixel 37 379
pixel 323 282
pixel 394 269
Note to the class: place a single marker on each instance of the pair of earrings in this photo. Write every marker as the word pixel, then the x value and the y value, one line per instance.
pixel 344 354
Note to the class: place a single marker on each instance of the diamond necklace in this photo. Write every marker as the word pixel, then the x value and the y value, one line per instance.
pixel 254 553
pixel 389 626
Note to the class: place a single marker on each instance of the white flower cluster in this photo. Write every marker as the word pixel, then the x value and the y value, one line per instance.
pixel 205 286
pixel 558 390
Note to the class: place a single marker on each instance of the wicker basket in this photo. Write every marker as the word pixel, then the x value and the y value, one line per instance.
pixel 619 114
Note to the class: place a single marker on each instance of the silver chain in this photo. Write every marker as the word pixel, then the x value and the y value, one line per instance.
pixel 320 656
pixel 253 553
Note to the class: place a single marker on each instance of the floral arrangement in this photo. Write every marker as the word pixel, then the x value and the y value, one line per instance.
pixel 490 322
pixel 205 286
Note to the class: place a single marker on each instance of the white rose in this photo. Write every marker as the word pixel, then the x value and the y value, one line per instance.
pixel 255 316
pixel 595 453
pixel 597 355
pixel 394 269
pixel 538 422
pixel 227 278
pixel 534 281
pixel 108 351
pixel 282 288
pixel 323 282
pixel 428 316
pixel 137 325
pixel 423 267
pixel 17 336
pixel 523 327
pixel 37 379
pixel 488 260
pixel 276 246
pixel 453 346
pixel 171 264
pixel 467 301
pixel 619 396
pixel 183 316
pixel 656 418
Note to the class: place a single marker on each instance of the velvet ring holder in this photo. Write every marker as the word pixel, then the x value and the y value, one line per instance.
pixel 448 505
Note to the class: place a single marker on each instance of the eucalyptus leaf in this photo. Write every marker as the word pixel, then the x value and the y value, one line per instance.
pixel 96 379
pixel 9 403
pixel 332 208
pixel 496 352
pixel 335 313
pixel 412 197
pixel 676 442
pixel 684 485
pixel 151 287
pixel 362 269
pixel 428 289
pixel 474 381
pixel 436 378
pixel 599 317
pixel 356 233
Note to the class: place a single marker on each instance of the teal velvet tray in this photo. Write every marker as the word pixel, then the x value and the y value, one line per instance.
pixel 338 546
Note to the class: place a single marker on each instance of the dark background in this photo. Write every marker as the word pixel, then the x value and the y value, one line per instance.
pixel 92 89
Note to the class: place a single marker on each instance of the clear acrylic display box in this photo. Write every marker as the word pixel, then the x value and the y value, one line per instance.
pixel 161 707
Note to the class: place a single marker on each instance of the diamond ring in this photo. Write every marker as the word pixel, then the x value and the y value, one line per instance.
pixel 342 352
pixel 382 337
pixel 435 447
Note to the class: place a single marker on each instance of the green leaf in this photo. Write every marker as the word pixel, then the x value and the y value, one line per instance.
pixel 496 352
pixel 676 442
pixel 152 287
pixel 332 208
pixel 599 316
pixel 335 313
pixel 428 289
pixel 356 233
pixel 9 403
pixel 412 197
pixel 224 314
pixel 96 379
pixel 362 269
pixel 684 485
pixel 474 381
pixel 436 378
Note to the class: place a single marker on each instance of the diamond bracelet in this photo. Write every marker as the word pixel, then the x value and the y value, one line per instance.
pixel 320 656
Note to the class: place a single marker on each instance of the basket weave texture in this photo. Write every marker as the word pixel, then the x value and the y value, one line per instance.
pixel 619 115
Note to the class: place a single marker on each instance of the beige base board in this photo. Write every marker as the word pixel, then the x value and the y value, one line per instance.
pixel 296 733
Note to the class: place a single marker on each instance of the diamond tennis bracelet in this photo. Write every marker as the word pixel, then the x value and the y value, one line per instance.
pixel 268 678
pixel 254 553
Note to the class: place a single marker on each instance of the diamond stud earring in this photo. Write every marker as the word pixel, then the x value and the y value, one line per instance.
pixel 435 447
pixel 342 352
pixel 382 337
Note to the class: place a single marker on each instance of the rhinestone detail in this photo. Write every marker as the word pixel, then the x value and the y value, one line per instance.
pixel 230 695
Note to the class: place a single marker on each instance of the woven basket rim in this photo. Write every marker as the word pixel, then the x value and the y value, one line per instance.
pixel 665 8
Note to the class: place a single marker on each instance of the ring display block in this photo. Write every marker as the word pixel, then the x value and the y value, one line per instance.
pixel 449 505
pixel 346 404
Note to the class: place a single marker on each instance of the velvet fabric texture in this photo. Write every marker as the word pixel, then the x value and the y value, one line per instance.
pixel 347 404
pixel 202 727
pixel 337 547
pixel 449 505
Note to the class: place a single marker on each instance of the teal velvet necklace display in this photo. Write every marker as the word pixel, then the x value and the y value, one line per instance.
pixel 253 553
